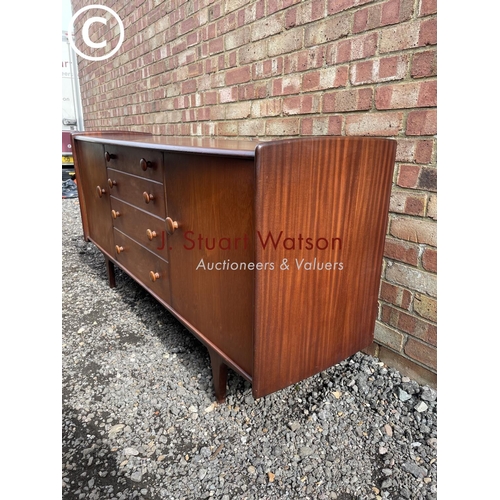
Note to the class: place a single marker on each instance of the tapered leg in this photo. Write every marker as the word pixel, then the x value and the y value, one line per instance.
pixel 110 268
pixel 219 374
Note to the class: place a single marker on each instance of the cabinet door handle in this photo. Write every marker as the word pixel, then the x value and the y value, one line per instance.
pixel 118 249
pixel 154 276
pixel 115 214
pixel 100 191
pixel 147 196
pixel 111 183
pixel 109 156
pixel 151 234
pixel 145 164
pixel 172 225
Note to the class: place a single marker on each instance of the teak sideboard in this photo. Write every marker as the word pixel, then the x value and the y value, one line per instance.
pixel 270 253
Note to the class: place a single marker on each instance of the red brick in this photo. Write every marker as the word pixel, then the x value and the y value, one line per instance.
pixel 238 75
pixel 409 203
pixel 427 96
pixel 427 179
pixel 413 229
pixel 360 47
pixel 393 67
pixel 268 68
pixel 216 45
pixel 424 64
pixel 421 352
pixel 422 122
pixel 310 81
pixel 428 7
pixel 429 260
pixel 428 32
pixel 407 95
pixel 390 12
pixel 322 125
pixel 276 5
pixel 343 51
pixel 347 100
pixel 300 105
pixel 189 24
pixel 395 295
pixel 360 21
pixel 423 151
pixel 188 86
pixel 408 323
pixel 408 176
pixel 286 85
pixel 362 72
pixel 252 91
pixel 304 60
pixel 335 6
pixel 402 251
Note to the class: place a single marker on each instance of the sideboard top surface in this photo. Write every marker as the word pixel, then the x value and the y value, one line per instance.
pixel 205 145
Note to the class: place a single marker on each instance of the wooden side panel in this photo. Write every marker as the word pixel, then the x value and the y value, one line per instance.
pixel 211 200
pixel 322 209
pixel 96 210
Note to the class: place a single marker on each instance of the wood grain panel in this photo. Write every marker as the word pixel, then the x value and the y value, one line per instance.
pixel 211 198
pixel 131 188
pixel 334 191
pixel 139 262
pixel 91 175
pixel 136 223
pixel 128 159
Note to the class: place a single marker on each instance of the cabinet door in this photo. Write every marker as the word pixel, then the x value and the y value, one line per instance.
pixel 94 194
pixel 210 209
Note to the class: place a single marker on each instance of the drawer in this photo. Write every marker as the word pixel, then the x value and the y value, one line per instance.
pixel 146 163
pixel 145 229
pixel 144 266
pixel 143 193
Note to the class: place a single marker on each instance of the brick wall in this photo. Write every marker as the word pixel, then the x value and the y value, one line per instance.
pixel 283 68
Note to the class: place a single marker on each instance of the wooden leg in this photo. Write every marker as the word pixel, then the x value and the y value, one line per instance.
pixel 219 374
pixel 110 268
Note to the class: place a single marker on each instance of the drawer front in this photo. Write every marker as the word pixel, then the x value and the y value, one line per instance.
pixel 145 229
pixel 146 163
pixel 143 193
pixel 144 266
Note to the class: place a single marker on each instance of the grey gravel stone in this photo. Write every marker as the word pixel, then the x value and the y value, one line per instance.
pixel 413 468
pixel 420 407
pixel 140 419
pixel 136 476
pixel 403 395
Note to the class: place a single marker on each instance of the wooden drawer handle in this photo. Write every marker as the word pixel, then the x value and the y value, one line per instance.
pixel 147 196
pixel 145 164
pixel 115 214
pixel 109 156
pixel 111 183
pixel 118 249
pixel 172 225
pixel 100 191
pixel 154 276
pixel 151 234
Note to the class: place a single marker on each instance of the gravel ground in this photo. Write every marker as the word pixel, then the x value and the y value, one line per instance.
pixel 140 418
